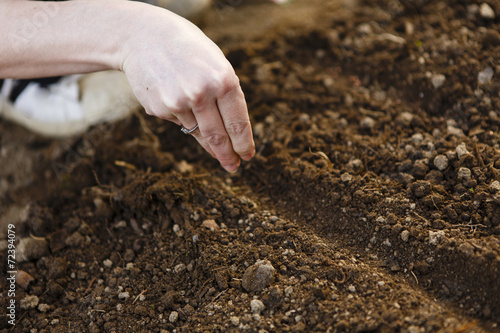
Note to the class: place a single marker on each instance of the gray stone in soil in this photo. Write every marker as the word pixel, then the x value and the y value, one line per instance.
pixel 464 174
pixel 257 306
pixel 174 315
pixel 258 276
pixel 30 249
pixel 405 235
pixel 438 80
pixel 441 162
pixel 367 123
pixel 461 150
pixel 235 320
pixel 29 302
pixel 495 186
pixel 486 11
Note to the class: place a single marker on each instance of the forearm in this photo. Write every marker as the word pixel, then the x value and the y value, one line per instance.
pixel 174 70
pixel 57 38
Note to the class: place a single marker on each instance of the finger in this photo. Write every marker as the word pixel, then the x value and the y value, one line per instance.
pixel 214 133
pixel 234 113
pixel 202 142
pixel 187 120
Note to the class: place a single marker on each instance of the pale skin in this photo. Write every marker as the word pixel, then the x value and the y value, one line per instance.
pixel 175 71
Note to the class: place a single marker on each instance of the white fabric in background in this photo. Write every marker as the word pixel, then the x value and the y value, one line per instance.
pixel 57 103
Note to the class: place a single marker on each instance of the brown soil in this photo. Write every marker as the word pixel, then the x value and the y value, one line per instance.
pixel 372 193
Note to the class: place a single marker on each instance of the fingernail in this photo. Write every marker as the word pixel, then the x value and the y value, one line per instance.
pixel 248 157
pixel 232 168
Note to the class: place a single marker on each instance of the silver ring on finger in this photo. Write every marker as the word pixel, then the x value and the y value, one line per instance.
pixel 188 130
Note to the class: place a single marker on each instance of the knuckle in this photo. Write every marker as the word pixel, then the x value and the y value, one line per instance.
pixel 175 109
pixel 230 83
pixel 225 79
pixel 221 83
pixel 237 128
pixel 198 96
pixel 216 139
pixel 172 105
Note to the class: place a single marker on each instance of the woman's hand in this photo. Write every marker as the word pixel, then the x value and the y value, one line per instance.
pixel 179 74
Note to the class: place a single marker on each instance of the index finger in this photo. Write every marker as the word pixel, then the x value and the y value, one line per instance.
pixel 234 114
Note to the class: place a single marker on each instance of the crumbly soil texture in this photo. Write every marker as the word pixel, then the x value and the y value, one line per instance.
pixel 372 204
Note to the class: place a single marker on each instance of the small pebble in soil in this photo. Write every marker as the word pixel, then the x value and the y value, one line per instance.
pixel 405 118
pixel 258 276
pixel 173 317
pixel 355 165
pixel 415 329
pixel 259 130
pixel 405 235
pixel 305 118
pixel 29 302
pixel 210 225
pixel 179 268
pixel 235 320
pixel 454 131
pixel 461 150
pixel 441 162
pixel 417 138
pixel 464 174
pixel 435 237
pixel 352 288
pixel 257 306
pixel 485 76
pixel 495 186
pixel 43 307
pixel 486 11
pixel 438 80
pixel 124 295
pixel 190 266
pixel 346 177
pixel 184 167
pixel 30 249
pixel 108 263
pixel 367 123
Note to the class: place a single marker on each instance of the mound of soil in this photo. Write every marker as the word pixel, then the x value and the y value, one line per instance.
pixel 372 205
